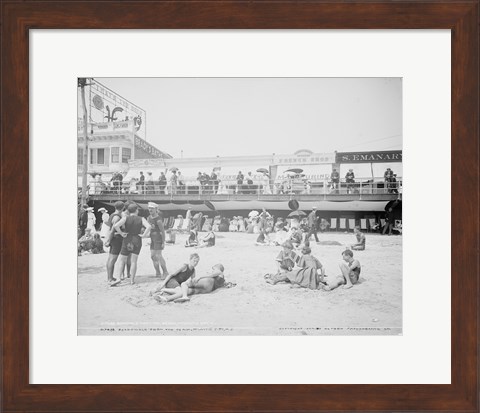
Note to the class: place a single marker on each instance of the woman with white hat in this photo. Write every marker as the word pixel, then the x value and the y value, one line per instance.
pixel 105 230
pixel 91 220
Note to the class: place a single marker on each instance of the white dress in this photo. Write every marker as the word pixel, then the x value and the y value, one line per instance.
pixel 266 185
pixel 91 222
pixel 105 228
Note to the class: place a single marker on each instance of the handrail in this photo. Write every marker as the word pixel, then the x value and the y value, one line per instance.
pixel 270 188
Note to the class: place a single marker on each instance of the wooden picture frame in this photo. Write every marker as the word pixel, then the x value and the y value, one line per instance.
pixel 18 17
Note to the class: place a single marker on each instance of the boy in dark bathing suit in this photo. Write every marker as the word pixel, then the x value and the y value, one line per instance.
pixel 171 284
pixel 350 268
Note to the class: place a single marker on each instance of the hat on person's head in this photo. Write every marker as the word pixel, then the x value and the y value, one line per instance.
pixel 102 209
pixel 288 244
pixel 152 205
pixel 90 209
pixel 314 207
pixel 84 206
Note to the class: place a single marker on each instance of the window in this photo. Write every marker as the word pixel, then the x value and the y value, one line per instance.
pixel 126 154
pixel 115 155
pixel 80 156
pixel 93 156
pixel 101 156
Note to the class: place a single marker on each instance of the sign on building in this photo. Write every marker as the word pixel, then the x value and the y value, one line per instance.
pixel 369 157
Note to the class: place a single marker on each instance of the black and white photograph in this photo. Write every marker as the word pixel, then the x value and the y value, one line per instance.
pixel 239 206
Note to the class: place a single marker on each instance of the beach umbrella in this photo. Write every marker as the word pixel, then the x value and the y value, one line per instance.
pixel 253 213
pixel 173 168
pixel 295 170
pixel 262 170
pixel 296 214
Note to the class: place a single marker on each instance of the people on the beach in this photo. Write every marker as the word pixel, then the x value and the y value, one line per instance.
pixel 157 240
pixel 114 240
pixel 360 245
pixel 207 241
pixel 97 247
pixel 310 273
pixel 286 258
pixel 105 229
pixel 83 220
pixel 204 284
pixel 192 240
pixel 312 224
pixel 350 269
pixel 132 239
pixel 91 220
pixel 171 285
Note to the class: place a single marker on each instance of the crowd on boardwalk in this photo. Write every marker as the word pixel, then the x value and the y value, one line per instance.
pixel 122 233
pixel 172 182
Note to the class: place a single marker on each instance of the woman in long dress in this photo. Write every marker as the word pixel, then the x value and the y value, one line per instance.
pixel 105 228
pixel 241 224
pixel 266 184
pixel 310 274
pixel 91 220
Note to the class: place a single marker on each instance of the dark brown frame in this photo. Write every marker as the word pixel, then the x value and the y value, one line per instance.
pixel 462 17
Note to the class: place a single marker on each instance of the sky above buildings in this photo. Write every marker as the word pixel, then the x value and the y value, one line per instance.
pixel 257 116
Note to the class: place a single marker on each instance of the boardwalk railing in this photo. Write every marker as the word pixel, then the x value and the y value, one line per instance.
pixel 232 188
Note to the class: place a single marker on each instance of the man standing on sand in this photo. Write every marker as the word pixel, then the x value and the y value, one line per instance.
pixel 113 240
pixel 312 225
pixel 83 220
pixel 157 240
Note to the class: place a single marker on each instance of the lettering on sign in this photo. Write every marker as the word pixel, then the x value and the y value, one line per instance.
pixel 373 157
pixel 146 147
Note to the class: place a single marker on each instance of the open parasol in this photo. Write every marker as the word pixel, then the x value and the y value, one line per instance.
pixel 253 213
pixel 262 170
pixel 295 170
pixel 173 168
pixel 296 214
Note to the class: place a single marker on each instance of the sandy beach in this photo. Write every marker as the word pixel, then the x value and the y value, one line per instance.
pixel 252 307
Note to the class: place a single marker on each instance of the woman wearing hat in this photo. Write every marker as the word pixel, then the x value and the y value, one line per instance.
pixel 105 230
pixel 91 220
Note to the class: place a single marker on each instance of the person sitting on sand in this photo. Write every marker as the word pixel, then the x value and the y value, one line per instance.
pixel 207 241
pixel 97 245
pixel 204 284
pixel 360 245
pixel 350 268
pixel 310 274
pixel 171 284
pixel 286 258
pixel 192 240
pixel 85 243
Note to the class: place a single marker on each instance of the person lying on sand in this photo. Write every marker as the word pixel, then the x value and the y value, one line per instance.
pixel 360 245
pixel 205 284
pixel 350 268
pixel 171 284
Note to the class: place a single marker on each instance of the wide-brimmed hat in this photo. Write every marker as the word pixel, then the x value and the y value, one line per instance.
pixel 152 205
pixel 90 209
pixel 102 209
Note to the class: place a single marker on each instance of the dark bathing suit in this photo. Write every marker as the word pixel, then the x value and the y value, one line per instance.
pixel 117 240
pixel 156 233
pixel 181 277
pixel 132 243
